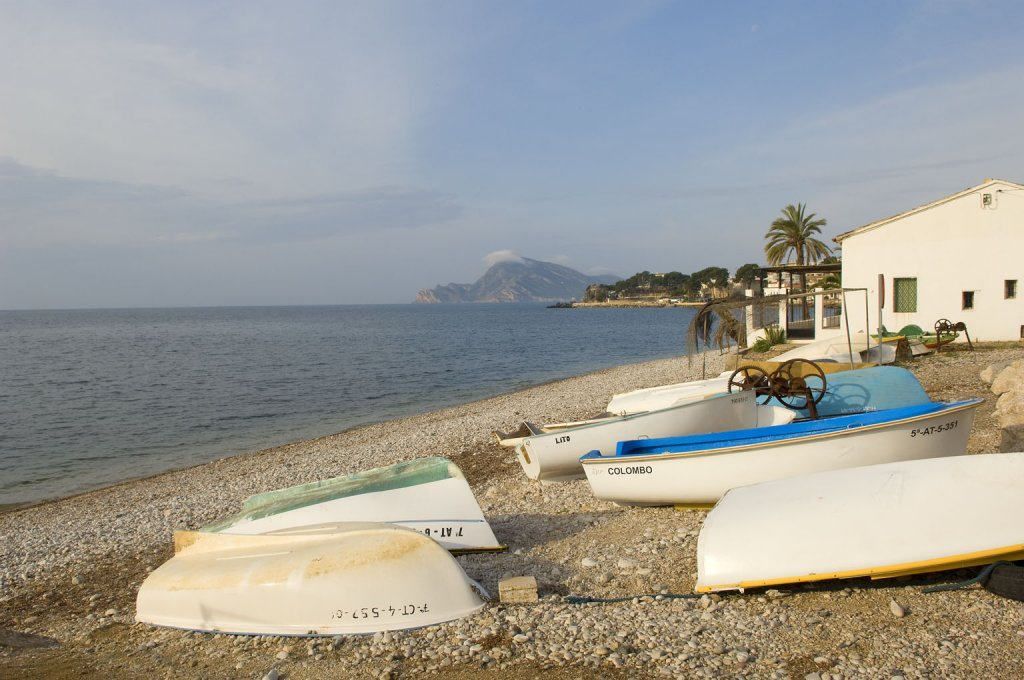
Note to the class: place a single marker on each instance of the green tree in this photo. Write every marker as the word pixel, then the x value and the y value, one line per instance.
pixel 712 276
pixel 747 273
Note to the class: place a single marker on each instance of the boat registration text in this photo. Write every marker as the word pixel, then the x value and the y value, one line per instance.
pixel 934 429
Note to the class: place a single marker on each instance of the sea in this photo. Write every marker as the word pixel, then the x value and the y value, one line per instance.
pixel 89 398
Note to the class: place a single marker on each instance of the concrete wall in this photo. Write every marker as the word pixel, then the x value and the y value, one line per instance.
pixel 950 248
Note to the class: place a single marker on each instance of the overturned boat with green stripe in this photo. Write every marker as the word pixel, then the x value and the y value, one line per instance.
pixel 429 495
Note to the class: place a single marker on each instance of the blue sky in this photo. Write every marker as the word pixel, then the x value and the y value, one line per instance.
pixel 314 153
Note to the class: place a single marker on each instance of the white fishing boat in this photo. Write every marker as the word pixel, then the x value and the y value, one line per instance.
pixel 555 456
pixel 666 396
pixel 526 429
pixel 697 470
pixel 652 398
pixel 334 580
pixel 429 495
pixel 858 349
pixel 880 521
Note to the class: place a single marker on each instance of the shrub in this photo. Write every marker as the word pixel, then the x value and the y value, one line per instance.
pixel 773 335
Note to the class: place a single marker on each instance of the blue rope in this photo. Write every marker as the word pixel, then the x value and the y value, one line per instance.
pixel 981 578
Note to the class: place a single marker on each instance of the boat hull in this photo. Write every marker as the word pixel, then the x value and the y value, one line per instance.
pixel 429 495
pixel 880 521
pixel 666 396
pixel 555 457
pixel 703 477
pixel 360 578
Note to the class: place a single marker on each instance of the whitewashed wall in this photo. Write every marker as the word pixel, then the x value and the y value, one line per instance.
pixel 950 248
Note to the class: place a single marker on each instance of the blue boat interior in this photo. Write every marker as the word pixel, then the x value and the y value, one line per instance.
pixel 764 435
pixel 868 389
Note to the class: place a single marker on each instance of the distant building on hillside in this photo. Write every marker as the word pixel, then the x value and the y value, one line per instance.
pixel 959 258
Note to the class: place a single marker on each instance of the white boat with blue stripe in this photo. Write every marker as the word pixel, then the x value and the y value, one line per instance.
pixel 697 470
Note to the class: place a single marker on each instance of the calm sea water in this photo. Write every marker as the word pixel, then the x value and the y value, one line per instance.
pixel 93 397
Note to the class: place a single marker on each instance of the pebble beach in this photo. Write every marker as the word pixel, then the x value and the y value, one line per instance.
pixel 70 570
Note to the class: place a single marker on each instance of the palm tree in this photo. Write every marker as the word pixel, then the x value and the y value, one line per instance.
pixel 792 234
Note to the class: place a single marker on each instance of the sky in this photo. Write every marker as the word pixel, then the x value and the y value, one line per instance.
pixel 249 153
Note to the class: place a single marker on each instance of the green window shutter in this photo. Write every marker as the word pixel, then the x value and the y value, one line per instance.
pixel 904 295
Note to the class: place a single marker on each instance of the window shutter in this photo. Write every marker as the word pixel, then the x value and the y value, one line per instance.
pixel 904 294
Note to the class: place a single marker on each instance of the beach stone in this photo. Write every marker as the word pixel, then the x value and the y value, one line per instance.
pixel 588 562
pixel 989 373
pixel 272 674
pixel 1010 404
pixel 1009 378
pixel 897 609
pixel 626 563
pixel 282 655
pixel 521 638
pixel 518 589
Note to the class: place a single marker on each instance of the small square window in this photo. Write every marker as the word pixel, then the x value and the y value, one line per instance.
pixel 968 299
pixel 1010 289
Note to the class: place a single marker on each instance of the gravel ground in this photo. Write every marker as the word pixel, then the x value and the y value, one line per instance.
pixel 69 571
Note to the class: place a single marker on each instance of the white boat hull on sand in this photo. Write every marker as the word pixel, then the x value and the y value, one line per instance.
pixel 879 521
pixel 444 510
pixel 700 478
pixel 356 578
pixel 838 349
pixel 666 396
pixel 555 457
pixel 429 495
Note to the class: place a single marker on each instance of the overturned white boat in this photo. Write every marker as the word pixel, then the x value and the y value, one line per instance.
pixel 665 396
pixel 859 349
pixel 354 578
pixel 879 521
pixel 555 456
pixel 876 415
pixel 430 495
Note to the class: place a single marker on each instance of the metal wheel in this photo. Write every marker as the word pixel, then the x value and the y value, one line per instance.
pixel 751 378
pixel 799 383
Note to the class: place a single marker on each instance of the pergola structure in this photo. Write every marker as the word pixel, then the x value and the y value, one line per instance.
pixel 797 271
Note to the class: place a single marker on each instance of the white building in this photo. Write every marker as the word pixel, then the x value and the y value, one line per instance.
pixel 959 258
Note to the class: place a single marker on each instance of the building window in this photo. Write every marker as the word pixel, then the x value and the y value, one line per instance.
pixel 968 299
pixel 904 295
pixel 1010 289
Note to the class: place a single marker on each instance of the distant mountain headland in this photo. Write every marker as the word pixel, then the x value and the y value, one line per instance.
pixel 517 279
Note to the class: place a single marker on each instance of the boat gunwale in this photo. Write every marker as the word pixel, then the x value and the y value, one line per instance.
pixel 960 560
pixel 953 407
pixel 622 418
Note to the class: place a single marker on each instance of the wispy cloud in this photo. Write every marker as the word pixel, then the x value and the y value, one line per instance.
pixel 38 205
pixel 493 258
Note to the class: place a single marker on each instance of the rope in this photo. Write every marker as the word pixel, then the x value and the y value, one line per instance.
pixel 586 599
pixel 981 578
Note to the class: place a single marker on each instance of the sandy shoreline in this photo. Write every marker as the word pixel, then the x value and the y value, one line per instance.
pixel 13 507
pixel 69 569
pixel 180 493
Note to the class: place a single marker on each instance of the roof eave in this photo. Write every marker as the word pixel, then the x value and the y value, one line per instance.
pixel 838 239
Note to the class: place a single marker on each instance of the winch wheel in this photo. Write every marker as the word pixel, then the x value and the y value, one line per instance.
pixel 751 378
pixel 798 383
